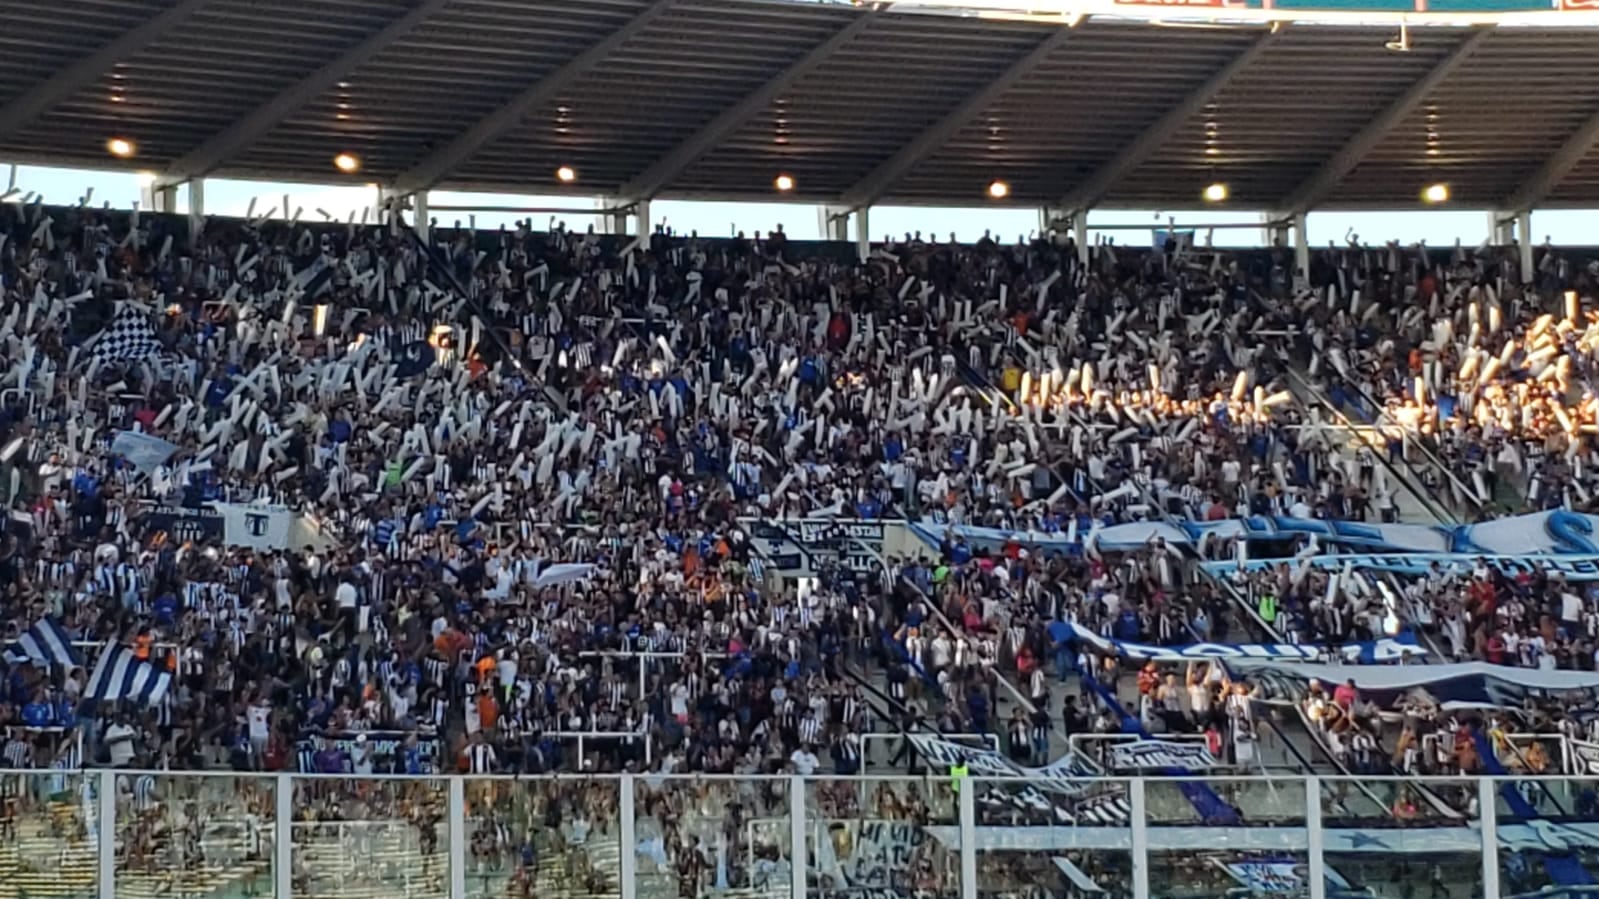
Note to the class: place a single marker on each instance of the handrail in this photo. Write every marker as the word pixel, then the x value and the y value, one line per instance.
pixel 1439 511
pixel 1383 419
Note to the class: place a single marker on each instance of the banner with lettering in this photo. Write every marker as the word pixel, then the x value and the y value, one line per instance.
pixel 1573 567
pixel 1555 533
pixel 256 526
pixel 386 748
pixel 1389 649
pixel 183 524
pixel 1065 775
pixel 1586 757
pixel 1160 754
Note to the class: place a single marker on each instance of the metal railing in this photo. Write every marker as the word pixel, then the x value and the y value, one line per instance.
pixel 110 834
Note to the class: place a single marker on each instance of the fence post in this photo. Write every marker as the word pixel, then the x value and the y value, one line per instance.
pixel 1313 837
pixel 283 837
pixel 106 833
pixel 1140 815
pixel 968 831
pixel 798 856
pixel 457 832
pixel 629 838
pixel 1488 814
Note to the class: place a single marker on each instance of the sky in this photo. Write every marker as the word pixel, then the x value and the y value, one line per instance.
pixel 314 202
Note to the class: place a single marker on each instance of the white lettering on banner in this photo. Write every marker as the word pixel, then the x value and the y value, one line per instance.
pixel 1586 755
pixel 801 547
pixel 1574 568
pixel 382 743
pixel 882 848
pixel 1537 836
pixel 1383 650
pixel 1160 754
pixel 1268 877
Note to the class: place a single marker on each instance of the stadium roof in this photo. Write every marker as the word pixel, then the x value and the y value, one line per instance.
pixel 714 98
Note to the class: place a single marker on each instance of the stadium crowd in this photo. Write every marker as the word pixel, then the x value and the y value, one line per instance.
pixel 527 457
pixel 522 467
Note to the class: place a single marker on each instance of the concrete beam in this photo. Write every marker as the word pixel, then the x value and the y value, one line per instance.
pixel 446 159
pixel 1554 170
pixel 872 187
pixel 42 97
pixel 230 141
pixel 1091 191
pixel 1321 183
pixel 685 154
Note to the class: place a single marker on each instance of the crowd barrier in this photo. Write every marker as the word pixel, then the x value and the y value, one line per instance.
pixel 653 837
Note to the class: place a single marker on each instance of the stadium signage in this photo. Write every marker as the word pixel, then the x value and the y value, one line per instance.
pixel 1384 650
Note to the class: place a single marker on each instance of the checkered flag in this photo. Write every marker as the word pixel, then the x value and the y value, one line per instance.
pixel 129 336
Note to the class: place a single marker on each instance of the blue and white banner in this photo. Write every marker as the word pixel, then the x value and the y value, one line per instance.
pixel 1573 568
pixel 1475 683
pixel 1386 650
pixel 1542 533
pixel 1538 835
pixel 1268 876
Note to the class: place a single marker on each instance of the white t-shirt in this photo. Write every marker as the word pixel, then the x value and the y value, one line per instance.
pixel 804 761
pixel 679 698
pixel 258 717
pixel 345 595
pixel 119 741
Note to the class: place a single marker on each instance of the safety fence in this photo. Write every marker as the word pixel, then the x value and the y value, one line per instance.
pixel 136 833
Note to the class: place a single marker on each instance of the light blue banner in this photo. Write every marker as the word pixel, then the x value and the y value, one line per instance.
pixel 1389 649
pixel 146 453
pixel 1560 533
pixel 1573 568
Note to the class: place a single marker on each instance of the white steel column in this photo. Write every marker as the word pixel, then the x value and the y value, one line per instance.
pixel 1301 250
pixel 798 858
pixel 1313 835
pixel 1080 236
pixel 646 227
pixel 283 837
pixel 155 197
pixel 1524 229
pixel 1140 815
pixel 1489 828
pixel 457 832
pixel 106 833
pixel 423 220
pixel 968 832
pixel 629 836
pixel 197 196
pixel 863 232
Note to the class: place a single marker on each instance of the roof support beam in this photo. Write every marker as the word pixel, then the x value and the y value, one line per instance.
pixel 441 162
pixel 1555 169
pixel 1324 180
pixel 667 168
pixel 237 137
pixel 1130 157
pixel 872 187
pixel 42 97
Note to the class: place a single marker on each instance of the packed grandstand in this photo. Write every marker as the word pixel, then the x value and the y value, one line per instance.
pixel 338 500
pixel 402 558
